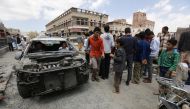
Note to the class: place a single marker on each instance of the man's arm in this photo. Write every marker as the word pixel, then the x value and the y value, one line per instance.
pixel 181 42
pixel 102 47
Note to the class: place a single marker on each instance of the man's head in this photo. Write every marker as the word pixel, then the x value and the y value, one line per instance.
pixel 97 32
pixel 119 43
pixel 142 35
pixel 127 30
pixel 64 45
pixel 165 29
pixel 171 44
pixel 106 28
pixel 7 33
pixel 150 35
pixel 147 30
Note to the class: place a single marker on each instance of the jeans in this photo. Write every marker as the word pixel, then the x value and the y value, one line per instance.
pixel 11 47
pixel 105 66
pixel 129 67
pixel 163 71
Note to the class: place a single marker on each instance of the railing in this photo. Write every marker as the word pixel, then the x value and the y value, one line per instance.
pixel 3 42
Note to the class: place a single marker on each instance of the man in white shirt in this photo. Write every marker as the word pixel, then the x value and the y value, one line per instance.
pixel 108 42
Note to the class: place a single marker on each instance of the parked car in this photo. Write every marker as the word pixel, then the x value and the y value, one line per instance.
pixel 47 65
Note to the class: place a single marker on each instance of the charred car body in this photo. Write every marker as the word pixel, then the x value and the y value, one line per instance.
pixel 47 65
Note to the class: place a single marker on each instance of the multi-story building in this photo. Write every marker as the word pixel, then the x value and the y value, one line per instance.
pixel 140 22
pixel 118 26
pixel 75 21
pixel 13 31
pixel 2 30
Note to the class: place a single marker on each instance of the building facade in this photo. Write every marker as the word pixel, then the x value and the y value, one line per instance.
pixel 2 30
pixel 13 31
pixel 141 23
pixel 118 26
pixel 75 21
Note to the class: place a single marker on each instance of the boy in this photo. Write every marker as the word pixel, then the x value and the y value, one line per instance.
pixel 119 64
pixel 96 52
pixel 168 60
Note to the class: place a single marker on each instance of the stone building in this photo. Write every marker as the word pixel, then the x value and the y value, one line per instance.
pixel 2 30
pixel 13 31
pixel 118 26
pixel 75 21
pixel 140 22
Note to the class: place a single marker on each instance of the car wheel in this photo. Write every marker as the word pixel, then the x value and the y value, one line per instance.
pixel 24 91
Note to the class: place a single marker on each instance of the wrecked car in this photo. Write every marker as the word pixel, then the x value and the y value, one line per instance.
pixel 47 65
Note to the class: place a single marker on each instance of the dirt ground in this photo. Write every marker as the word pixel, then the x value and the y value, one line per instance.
pixel 93 95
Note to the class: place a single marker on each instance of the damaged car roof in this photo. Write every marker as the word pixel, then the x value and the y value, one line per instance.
pixel 48 39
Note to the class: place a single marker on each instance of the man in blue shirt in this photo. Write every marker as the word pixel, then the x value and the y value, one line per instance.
pixel 153 54
pixel 141 57
pixel 130 44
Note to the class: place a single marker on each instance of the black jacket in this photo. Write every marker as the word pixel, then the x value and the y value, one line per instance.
pixel 184 42
pixel 119 60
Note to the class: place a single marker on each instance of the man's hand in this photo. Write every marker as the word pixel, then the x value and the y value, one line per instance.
pixel 103 56
pixel 111 55
pixel 144 61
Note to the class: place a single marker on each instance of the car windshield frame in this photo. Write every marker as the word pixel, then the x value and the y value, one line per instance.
pixel 70 47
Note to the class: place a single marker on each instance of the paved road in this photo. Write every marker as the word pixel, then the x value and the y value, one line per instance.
pixel 92 95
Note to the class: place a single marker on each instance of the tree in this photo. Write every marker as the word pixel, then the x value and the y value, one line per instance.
pixel 32 34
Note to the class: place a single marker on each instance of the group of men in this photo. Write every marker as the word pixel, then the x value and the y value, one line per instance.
pixel 15 42
pixel 140 51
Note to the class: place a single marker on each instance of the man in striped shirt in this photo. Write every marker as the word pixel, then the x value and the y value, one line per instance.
pixel 164 37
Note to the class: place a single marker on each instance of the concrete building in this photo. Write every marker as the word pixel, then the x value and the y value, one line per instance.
pixel 13 31
pixel 140 22
pixel 2 30
pixel 75 21
pixel 118 26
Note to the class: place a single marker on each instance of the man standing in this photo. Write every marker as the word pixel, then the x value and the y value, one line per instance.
pixel 130 46
pixel 154 50
pixel 164 37
pixel 96 52
pixel 108 42
pixel 184 49
pixel 10 42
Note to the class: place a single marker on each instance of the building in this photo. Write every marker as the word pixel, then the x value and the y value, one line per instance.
pixel 141 23
pixel 13 31
pixel 2 30
pixel 75 21
pixel 118 26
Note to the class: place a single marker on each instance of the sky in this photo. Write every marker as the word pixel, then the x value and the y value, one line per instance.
pixel 33 15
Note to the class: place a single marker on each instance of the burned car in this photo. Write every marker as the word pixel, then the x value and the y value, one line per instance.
pixel 47 65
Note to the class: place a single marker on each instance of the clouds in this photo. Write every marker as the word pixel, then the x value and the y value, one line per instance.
pixel 45 9
pixel 164 14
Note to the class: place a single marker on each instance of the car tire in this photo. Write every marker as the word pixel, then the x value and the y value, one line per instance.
pixel 24 91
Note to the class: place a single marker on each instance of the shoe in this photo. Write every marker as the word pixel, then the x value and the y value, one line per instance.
pixel 127 83
pixel 147 81
pixel 135 82
pixel 97 79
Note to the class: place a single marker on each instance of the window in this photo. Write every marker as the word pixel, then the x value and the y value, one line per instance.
pixel 82 21
pixel 91 23
pixel 78 21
